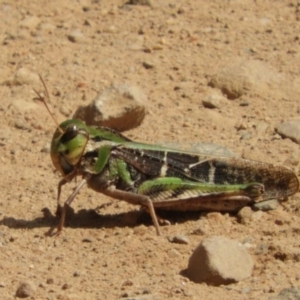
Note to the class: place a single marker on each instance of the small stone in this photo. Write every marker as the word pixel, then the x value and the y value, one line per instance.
pixel 179 239
pixel 290 129
pixel 30 22
pixel 244 103
pixel 26 289
pixel 262 127
pixel 76 37
pixel 148 64
pixel 87 240
pixel 19 124
pixel 218 260
pixel 141 2
pixel 244 215
pixel 65 286
pixel 246 135
pixel 23 76
pixel 174 253
pixel 120 107
pixel 257 215
pixel 266 205
pixel 48 27
pixel 213 101
pixel 50 281
pixel 76 274
pixel 110 29
pixel 241 76
pixel 46 148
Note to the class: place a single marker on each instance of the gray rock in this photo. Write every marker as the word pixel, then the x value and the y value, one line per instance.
pixel 266 205
pixel 290 129
pixel 218 260
pixel 120 107
pixel 26 289
pixel 242 76
pixel 287 294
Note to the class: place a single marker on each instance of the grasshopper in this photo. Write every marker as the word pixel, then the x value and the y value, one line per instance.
pixel 157 177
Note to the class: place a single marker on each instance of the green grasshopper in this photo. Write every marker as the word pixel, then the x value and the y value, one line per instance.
pixel 157 177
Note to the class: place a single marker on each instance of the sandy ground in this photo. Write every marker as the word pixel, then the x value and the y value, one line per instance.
pixel 82 47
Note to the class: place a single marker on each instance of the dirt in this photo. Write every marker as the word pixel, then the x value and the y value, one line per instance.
pixel 171 50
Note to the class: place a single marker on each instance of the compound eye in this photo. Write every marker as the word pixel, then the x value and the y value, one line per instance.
pixel 70 133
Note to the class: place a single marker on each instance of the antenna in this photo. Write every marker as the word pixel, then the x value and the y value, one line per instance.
pixel 42 99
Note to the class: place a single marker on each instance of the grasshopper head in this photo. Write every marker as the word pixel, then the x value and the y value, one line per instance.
pixel 68 144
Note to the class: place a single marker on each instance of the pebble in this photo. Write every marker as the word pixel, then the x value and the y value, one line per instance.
pixel 290 129
pixel 76 274
pixel 50 281
pixel 87 240
pixel 46 148
pixel 179 239
pixel 65 286
pixel 50 28
pixel 110 29
pixel 23 76
pixel 76 36
pixel 266 205
pixel 244 215
pixel 173 253
pixel 257 215
pixel 148 64
pixel 213 101
pixel 247 215
pixel 240 77
pixel 218 260
pixel 20 124
pixel 120 107
pixel 26 289
pixel 244 103
pixel 30 22
pixel 141 2
pixel 262 127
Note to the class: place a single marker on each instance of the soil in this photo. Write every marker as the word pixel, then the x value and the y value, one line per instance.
pixel 171 50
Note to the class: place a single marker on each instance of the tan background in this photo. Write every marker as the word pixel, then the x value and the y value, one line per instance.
pixel 115 253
